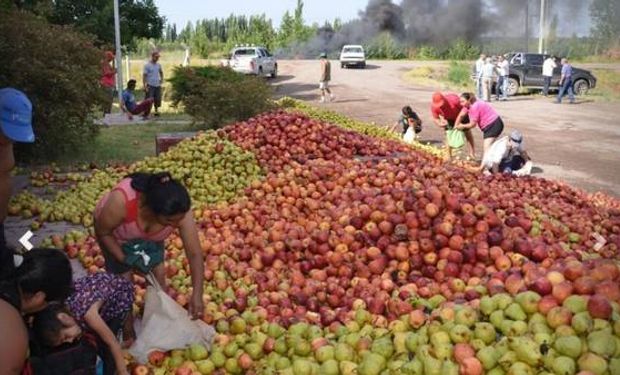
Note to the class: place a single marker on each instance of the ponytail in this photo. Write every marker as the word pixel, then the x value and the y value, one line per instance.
pixel 163 195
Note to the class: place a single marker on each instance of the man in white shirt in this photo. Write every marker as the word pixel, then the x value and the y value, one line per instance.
pixel 479 65
pixel 502 81
pixel 152 77
pixel 548 67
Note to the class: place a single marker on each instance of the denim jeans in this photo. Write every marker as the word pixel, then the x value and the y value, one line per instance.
pixel 546 87
pixel 502 87
pixel 566 88
pixel 479 87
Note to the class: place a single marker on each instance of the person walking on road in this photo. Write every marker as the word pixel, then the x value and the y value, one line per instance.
pixel 152 77
pixel 566 82
pixel 15 126
pixel 488 74
pixel 445 109
pixel 480 114
pixel 547 71
pixel 326 76
pixel 502 80
pixel 478 72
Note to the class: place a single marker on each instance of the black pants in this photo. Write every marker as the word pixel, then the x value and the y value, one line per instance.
pixel 6 256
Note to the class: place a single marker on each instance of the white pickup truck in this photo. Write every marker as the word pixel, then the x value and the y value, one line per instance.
pixel 252 60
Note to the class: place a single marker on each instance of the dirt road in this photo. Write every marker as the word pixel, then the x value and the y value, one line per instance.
pixel 579 143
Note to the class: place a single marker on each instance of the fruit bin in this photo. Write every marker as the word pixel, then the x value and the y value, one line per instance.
pixel 163 141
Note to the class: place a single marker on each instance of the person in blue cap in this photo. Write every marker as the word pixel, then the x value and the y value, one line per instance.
pixel 15 126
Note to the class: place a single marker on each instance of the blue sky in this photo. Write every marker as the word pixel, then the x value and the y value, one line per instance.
pixel 181 11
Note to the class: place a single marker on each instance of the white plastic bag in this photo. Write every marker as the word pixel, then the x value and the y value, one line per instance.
pixel 495 153
pixel 166 325
pixel 526 170
pixel 409 136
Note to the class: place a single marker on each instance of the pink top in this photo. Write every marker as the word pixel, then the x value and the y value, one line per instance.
pixel 482 113
pixel 107 75
pixel 130 229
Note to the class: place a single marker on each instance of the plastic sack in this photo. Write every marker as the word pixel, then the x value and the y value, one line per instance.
pixel 495 153
pixel 166 325
pixel 526 170
pixel 409 136
pixel 455 138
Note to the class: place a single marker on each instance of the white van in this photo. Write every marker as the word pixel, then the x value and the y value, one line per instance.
pixel 352 55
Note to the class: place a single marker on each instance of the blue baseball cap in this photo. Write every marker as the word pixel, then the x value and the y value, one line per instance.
pixel 16 115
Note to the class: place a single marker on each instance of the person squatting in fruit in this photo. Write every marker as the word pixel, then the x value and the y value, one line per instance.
pixel 135 218
pixel 480 114
pixel 515 156
pixel 40 276
pixel 445 109
pixel 15 126
pixel 408 117
pixel 99 305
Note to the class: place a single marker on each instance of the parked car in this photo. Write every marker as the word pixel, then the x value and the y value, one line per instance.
pixel 526 71
pixel 352 55
pixel 254 60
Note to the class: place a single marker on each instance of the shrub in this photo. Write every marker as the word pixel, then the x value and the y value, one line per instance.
pixel 385 46
pixel 214 96
pixel 459 74
pixel 427 53
pixel 59 70
pixel 462 50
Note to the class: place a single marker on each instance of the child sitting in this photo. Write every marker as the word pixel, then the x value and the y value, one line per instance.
pixel 100 304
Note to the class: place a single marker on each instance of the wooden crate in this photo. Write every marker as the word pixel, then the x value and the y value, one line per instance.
pixel 163 141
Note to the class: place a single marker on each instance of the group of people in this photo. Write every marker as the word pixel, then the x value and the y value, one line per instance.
pixel 461 113
pixel 489 69
pixel 53 324
pixel 152 80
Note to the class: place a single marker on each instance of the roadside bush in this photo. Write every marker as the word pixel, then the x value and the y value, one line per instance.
pixel 58 69
pixel 427 53
pixel 385 46
pixel 459 74
pixel 215 96
pixel 462 50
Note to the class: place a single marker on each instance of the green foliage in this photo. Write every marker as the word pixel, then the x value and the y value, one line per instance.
pixel 427 53
pixel 214 96
pixel 459 74
pixel 60 75
pixel 139 18
pixel 461 50
pixel 605 15
pixel 385 46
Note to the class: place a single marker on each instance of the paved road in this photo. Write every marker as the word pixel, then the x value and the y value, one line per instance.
pixel 578 143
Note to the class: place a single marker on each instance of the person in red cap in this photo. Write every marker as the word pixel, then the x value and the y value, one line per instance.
pixel 108 81
pixel 445 110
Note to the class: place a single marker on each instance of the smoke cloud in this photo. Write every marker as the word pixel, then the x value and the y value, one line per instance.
pixel 440 22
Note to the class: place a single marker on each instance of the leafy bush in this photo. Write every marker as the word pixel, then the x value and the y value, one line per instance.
pixel 427 53
pixel 214 96
pixel 462 50
pixel 459 74
pixel 385 46
pixel 59 70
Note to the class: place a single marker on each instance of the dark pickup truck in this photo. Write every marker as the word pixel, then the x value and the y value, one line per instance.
pixel 526 71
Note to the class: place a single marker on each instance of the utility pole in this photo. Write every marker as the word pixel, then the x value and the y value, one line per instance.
pixel 527 25
pixel 541 36
pixel 119 57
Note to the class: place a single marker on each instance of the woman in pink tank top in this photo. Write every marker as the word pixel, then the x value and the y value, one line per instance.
pixel 482 115
pixel 149 207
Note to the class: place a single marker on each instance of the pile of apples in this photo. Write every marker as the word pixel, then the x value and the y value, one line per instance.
pixel 359 255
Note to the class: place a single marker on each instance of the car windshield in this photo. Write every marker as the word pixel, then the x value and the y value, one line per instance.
pixel 353 50
pixel 245 52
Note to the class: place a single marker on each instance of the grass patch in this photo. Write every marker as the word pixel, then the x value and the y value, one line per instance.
pixel 121 144
pixel 455 76
pixel 607 85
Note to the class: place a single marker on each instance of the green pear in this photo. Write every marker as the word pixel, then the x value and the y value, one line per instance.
pixel 568 346
pixel 582 322
pixel 514 311
pixel 593 363
pixel 488 356
pixel 485 332
pixel 576 303
pixel 460 334
pixel 487 305
pixel 528 301
pixel 564 366
pixel 602 343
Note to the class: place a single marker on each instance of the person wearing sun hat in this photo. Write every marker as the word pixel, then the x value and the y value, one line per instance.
pixel 445 109
pixel 15 126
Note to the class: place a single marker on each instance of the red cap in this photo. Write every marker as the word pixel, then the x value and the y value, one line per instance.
pixel 109 55
pixel 438 100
